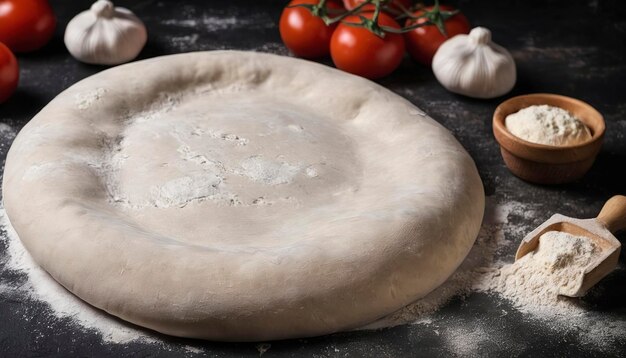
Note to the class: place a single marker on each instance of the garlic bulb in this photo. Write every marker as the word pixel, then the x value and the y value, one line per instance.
pixel 105 35
pixel 474 66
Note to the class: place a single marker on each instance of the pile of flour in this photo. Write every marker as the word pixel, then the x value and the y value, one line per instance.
pixel 535 281
pixel 548 125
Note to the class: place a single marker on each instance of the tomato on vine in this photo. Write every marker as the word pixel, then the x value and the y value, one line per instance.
pixel 303 32
pixel 9 73
pixel 360 51
pixel 422 42
pixel 368 41
pixel 397 5
pixel 26 25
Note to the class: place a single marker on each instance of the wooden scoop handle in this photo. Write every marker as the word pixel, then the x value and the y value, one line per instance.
pixel 613 214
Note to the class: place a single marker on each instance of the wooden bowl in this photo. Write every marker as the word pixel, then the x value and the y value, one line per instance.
pixel 547 164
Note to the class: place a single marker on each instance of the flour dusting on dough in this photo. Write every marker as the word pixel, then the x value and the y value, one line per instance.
pixel 36 172
pixel 161 105
pixel 85 100
pixel 312 172
pixel 202 172
pixel 271 172
pixel 229 137
pixel 180 191
pixel 207 179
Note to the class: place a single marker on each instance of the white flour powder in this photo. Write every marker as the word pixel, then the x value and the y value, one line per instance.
pixel 547 125
pixel 219 22
pixel 556 266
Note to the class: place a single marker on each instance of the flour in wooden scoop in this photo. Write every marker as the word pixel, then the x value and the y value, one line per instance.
pixel 557 265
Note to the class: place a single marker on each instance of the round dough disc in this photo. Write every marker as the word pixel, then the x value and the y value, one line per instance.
pixel 241 196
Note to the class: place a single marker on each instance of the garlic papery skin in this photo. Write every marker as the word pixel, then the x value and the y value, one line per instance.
pixel 474 66
pixel 105 35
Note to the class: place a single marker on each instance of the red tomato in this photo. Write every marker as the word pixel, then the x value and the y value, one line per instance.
pixel 26 25
pixel 424 41
pixel 357 50
pixel 9 73
pixel 351 4
pixel 303 33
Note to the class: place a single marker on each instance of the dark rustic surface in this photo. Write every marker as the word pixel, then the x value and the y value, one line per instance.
pixel 571 48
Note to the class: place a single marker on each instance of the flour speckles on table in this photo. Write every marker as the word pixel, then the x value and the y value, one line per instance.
pixel 223 21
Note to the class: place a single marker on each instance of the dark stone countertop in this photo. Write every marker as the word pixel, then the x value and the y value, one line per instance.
pixel 572 48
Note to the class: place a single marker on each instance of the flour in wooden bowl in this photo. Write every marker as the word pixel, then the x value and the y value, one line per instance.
pixel 547 125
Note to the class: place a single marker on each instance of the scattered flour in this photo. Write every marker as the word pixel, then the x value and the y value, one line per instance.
pixel 7 134
pixel 270 172
pixel 465 341
pixel 210 23
pixel 228 137
pixel 6 131
pixel 311 172
pixel 219 22
pixel 185 43
pixel 262 348
pixel 87 99
pixel 272 47
pixel 180 191
pixel 192 349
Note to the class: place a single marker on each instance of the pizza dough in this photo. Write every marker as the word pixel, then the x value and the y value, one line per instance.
pixel 241 196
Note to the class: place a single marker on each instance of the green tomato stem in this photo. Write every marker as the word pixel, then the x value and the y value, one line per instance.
pixel 434 16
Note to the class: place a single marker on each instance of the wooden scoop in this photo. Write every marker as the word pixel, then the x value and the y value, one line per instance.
pixel 611 219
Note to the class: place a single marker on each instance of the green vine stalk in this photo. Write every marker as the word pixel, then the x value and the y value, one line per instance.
pixel 435 16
